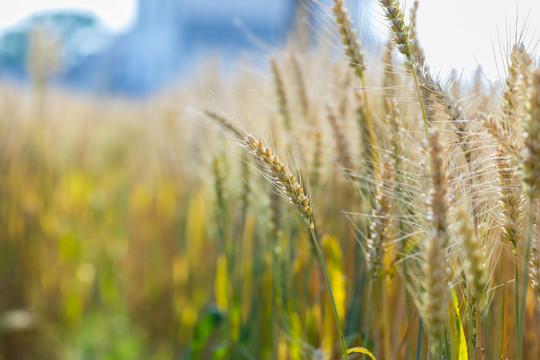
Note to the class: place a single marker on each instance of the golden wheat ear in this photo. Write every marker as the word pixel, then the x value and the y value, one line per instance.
pixel 435 296
pixel 396 18
pixel 288 185
pixel 474 258
pixel 381 224
pixel 300 86
pixel 531 159
pixel 281 96
pixel 279 174
pixel 348 38
pixel 534 268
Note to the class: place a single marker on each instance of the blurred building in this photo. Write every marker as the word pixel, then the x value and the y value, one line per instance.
pixel 167 41
pixel 171 36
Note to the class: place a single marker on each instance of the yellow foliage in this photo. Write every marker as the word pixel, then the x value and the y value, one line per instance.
pixel 221 283
pixel 166 200
pixel 334 264
pixel 140 199
pixel 361 350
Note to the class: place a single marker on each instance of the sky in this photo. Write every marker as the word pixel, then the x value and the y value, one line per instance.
pixel 461 34
pixel 116 15
pixel 456 34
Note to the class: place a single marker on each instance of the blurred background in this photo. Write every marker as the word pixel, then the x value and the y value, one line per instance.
pixel 138 46
pixel 146 44
pixel 109 243
pixel 111 182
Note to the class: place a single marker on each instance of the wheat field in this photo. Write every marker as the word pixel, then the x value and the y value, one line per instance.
pixel 341 201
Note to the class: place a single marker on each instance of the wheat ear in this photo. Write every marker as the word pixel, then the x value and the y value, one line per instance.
pixel 416 49
pixel 342 142
pixel 434 298
pixel 511 199
pixel 450 107
pixel 458 119
pixel 381 231
pixel 246 185
pixel 531 160
pixel 316 160
pixel 279 88
pixel 396 18
pixel 348 38
pixel 394 120
pixel 534 265
pixel 282 178
pixel 352 49
pixel 389 77
pixel 300 86
pixel 475 270
pixel 419 58
pixel 219 191
pixel 507 142
pixel 286 183
pixel 512 105
pixel 511 96
pixel 474 265
pixel 530 173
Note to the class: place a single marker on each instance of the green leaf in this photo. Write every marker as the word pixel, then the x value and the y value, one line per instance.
pixel 204 328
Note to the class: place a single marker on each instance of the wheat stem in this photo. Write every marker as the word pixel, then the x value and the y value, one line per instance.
pixel 313 234
pixel 520 312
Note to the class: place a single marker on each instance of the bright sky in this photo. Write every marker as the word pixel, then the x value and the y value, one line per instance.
pixel 455 33
pixel 114 14
pixel 463 33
